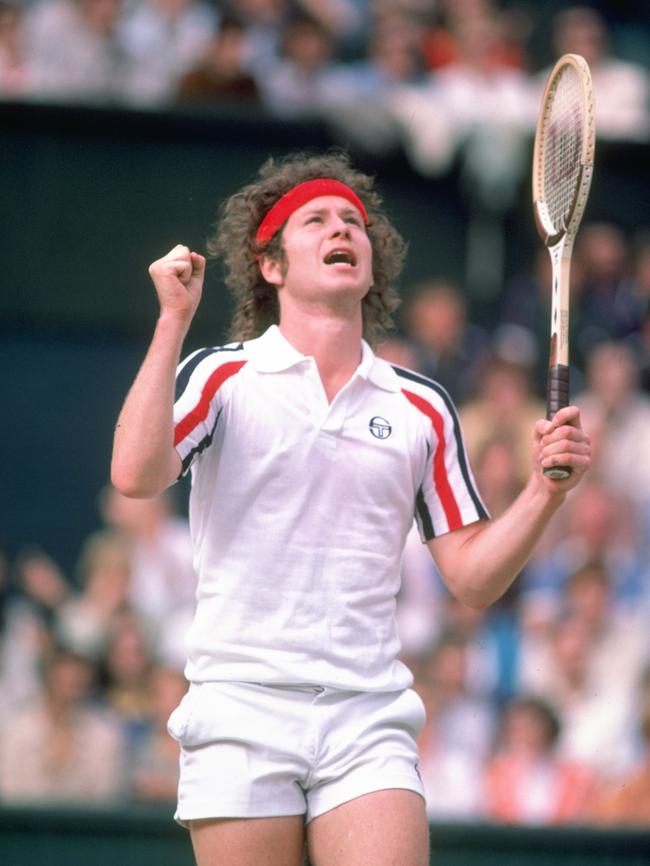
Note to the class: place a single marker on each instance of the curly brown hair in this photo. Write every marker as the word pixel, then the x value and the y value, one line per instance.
pixel 256 301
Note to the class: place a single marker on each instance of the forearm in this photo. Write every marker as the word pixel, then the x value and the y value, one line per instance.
pixel 144 462
pixel 492 554
pixel 480 561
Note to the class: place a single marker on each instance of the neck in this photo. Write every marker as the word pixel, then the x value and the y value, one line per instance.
pixel 334 343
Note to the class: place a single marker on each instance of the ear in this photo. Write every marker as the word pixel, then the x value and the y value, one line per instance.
pixel 271 271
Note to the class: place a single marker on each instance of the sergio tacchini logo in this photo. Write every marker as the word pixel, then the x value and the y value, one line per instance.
pixel 379 427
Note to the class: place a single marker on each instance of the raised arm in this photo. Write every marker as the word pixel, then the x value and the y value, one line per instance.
pixel 480 561
pixel 144 461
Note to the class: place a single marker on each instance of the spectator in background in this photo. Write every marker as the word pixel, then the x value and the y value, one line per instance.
pixel 458 733
pixel 294 84
pixel 263 22
pixel 599 526
pixel 154 766
pixel 604 302
pixel 620 642
pixel 162 40
pixel 613 397
pixel 25 640
pixel 421 600
pixel 14 66
pixel 363 97
pixel 625 802
pixel 640 292
pixel 491 646
pixel 587 668
pixel 163 582
pixel 527 781
pixel 397 350
pixel 41 582
pixel 443 45
pixel 73 51
pixel 83 623
pixel 220 75
pixel 124 676
pixel 445 345
pixel 346 20
pixel 526 303
pixel 621 87
pixel 640 270
pixel 504 405
pixel 62 748
pixel 496 473
pixel 476 108
pixel 642 348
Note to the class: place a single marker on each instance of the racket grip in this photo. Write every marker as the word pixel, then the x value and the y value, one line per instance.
pixel 557 397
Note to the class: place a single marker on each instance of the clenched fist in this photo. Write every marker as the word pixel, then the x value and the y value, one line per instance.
pixel 178 278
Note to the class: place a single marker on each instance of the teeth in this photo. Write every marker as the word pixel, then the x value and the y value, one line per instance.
pixel 339 257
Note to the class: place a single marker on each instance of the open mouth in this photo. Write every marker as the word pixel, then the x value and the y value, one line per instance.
pixel 340 257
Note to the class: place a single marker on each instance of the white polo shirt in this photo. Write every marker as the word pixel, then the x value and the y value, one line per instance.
pixel 299 510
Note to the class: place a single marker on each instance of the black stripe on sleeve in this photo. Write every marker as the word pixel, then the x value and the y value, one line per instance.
pixel 462 456
pixel 424 516
pixel 184 376
pixel 200 446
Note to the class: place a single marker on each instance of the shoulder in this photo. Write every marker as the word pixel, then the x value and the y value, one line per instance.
pixel 214 355
pixel 204 363
pixel 423 392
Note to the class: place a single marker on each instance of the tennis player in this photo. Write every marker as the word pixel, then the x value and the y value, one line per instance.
pixel 310 459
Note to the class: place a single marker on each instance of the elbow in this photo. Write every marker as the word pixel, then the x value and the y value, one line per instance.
pixel 478 598
pixel 477 602
pixel 480 601
pixel 131 485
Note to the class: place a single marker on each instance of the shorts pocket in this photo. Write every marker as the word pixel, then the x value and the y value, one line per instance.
pixel 218 711
pixel 414 712
pixel 179 721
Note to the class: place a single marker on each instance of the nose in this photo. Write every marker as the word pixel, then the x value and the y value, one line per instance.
pixel 340 228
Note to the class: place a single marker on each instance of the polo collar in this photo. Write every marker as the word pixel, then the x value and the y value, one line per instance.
pixel 377 371
pixel 273 353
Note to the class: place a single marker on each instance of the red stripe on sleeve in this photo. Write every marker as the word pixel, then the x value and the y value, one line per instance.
pixel 200 412
pixel 440 477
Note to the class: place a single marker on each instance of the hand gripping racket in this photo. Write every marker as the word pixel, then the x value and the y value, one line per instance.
pixel 563 159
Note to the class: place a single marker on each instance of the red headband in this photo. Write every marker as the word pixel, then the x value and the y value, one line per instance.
pixel 298 196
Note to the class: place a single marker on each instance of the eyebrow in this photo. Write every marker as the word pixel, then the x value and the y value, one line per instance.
pixel 346 210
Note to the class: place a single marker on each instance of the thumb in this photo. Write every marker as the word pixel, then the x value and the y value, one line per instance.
pixel 198 264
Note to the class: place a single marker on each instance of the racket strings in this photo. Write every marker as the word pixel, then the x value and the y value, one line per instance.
pixel 564 141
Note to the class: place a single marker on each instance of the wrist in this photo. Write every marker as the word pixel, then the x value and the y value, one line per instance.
pixel 543 493
pixel 171 324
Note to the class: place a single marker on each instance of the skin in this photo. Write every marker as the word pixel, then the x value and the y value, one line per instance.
pixel 320 315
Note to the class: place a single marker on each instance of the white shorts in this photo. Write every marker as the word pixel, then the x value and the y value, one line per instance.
pixel 251 750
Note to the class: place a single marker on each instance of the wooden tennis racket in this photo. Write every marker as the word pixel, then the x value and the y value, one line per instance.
pixel 563 159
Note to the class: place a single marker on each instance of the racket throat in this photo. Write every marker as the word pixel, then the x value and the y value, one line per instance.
pixel 560 287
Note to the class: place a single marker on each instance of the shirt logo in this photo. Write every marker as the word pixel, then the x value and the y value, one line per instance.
pixel 379 427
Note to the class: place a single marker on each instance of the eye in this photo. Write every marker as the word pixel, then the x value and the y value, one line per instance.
pixel 314 218
pixel 354 220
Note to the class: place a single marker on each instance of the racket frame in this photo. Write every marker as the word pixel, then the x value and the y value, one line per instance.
pixel 559 239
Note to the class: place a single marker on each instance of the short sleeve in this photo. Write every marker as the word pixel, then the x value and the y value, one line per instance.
pixel 199 398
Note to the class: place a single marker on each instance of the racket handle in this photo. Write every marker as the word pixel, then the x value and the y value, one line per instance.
pixel 557 397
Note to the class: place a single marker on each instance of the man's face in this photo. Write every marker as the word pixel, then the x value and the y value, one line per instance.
pixel 327 255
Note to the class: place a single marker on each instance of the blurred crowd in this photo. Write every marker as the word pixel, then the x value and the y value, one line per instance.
pixel 538 707
pixel 433 77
